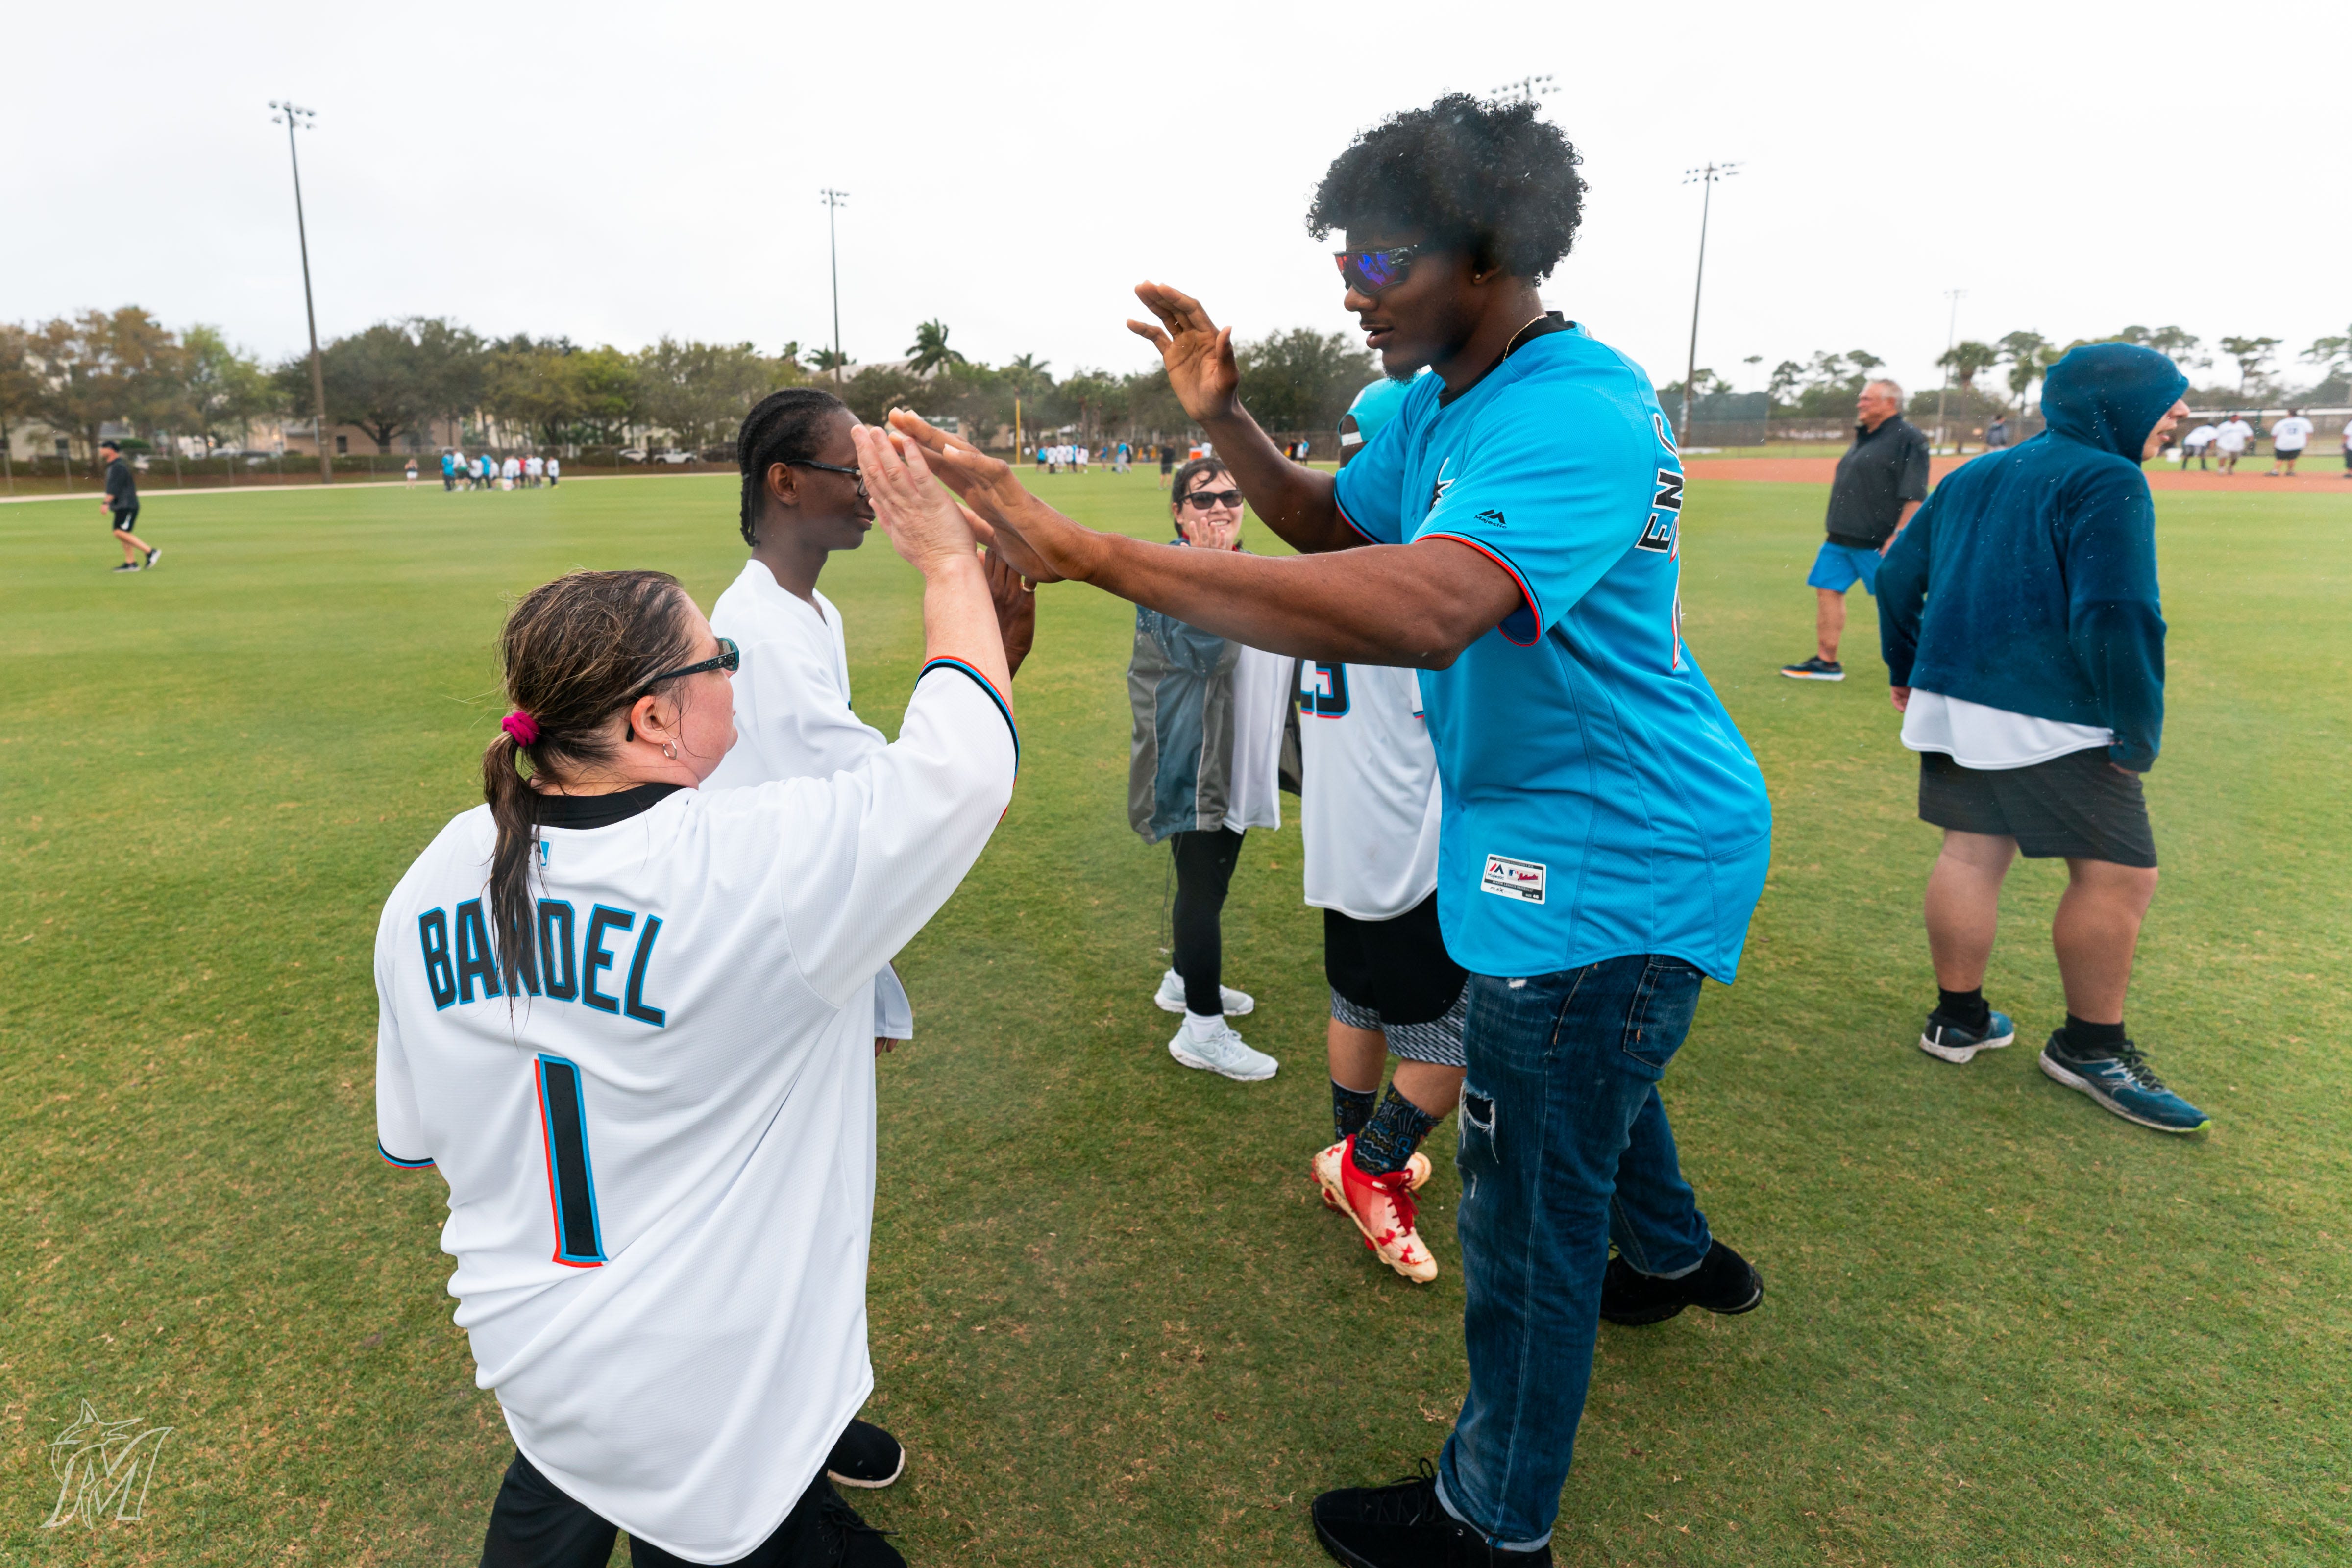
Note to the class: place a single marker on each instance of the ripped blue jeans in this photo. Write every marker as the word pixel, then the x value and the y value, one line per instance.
pixel 1565 1148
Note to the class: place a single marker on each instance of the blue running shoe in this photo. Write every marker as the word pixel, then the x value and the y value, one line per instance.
pixel 1951 1042
pixel 2125 1084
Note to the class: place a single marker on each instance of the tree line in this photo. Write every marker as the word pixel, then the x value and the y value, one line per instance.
pixel 1824 386
pixel 399 380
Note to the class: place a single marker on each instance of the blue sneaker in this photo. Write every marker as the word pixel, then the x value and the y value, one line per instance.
pixel 2125 1084
pixel 1951 1042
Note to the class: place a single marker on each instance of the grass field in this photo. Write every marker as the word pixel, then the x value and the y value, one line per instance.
pixel 1110 1319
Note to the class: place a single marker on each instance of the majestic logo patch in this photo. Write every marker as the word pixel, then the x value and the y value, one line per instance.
pixel 1495 516
pixel 1509 878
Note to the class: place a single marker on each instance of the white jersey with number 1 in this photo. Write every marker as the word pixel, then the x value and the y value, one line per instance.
pixel 660 1156
pixel 1371 800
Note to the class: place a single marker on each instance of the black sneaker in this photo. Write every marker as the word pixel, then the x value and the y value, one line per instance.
pixel 1403 1525
pixel 127 567
pixel 1726 1283
pixel 865 1456
pixel 1951 1042
pixel 154 556
pixel 1815 668
pixel 847 1540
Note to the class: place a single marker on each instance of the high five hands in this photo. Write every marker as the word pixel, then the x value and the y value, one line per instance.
pixel 1033 540
pixel 1198 352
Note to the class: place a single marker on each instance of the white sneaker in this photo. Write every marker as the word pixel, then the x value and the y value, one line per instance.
pixel 1171 998
pixel 1220 1051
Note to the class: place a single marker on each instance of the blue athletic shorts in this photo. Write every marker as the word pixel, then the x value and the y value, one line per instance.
pixel 1840 566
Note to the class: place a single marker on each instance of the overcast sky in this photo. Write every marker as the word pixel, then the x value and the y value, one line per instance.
pixel 617 174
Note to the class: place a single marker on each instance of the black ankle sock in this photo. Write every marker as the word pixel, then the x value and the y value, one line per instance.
pixel 1965 1008
pixel 1388 1139
pixel 1351 1109
pixel 2092 1039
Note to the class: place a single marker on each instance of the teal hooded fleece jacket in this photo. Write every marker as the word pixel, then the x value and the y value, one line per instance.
pixel 2028 580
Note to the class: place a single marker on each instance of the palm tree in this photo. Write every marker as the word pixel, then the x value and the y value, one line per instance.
pixel 930 351
pixel 1028 376
pixel 832 361
pixel 2027 355
pixel 1967 359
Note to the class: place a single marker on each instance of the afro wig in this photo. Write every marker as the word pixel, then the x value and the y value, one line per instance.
pixel 1490 178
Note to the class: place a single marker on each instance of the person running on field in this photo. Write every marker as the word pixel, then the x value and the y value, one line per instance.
pixel 1370 811
pixel 1166 463
pixel 1204 768
pixel 1880 482
pixel 121 504
pixel 2025 646
pixel 642 1059
pixel 1515 534
pixel 554 469
pixel 448 470
pixel 486 471
pixel 2288 438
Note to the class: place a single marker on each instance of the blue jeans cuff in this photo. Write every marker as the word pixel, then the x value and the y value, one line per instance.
pixel 1460 1518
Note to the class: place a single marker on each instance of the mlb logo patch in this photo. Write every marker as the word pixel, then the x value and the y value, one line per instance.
pixel 1509 878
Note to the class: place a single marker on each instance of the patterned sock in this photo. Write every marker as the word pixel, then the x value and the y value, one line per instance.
pixel 1965 1008
pixel 1392 1135
pixel 1351 1109
pixel 2085 1039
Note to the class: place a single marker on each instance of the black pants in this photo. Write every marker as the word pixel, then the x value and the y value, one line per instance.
pixel 1204 870
pixel 535 1525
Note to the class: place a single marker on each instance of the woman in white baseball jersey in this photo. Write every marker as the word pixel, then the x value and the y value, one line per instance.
pixel 630 1021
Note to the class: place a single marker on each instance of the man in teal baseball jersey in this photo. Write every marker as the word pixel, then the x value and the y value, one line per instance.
pixel 1514 533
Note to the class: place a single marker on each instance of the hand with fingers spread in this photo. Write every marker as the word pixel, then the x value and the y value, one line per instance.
pixel 1198 352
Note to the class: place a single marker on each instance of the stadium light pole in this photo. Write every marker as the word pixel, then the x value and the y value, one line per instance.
pixel 834 201
pixel 291 117
pixel 1951 337
pixel 1705 177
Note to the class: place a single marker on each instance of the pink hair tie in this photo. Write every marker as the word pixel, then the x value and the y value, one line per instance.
pixel 523 726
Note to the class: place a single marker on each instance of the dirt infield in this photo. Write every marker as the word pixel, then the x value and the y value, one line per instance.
pixel 2324 472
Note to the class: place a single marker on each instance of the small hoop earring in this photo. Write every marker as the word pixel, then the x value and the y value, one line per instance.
pixel 670 750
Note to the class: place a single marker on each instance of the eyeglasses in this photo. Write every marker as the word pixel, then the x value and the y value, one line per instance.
pixel 730 658
pixel 1202 500
pixel 1369 271
pixel 827 467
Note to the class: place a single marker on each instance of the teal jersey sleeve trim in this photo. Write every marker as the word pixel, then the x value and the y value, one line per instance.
pixel 392 1159
pixel 993 696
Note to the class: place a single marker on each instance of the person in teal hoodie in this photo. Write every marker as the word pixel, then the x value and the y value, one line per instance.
pixel 2024 642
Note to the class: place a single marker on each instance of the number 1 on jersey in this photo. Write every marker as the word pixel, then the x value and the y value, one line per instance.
pixel 570 1181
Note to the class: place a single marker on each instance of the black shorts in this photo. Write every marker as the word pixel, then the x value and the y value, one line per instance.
pixel 2079 806
pixel 122 519
pixel 1397 968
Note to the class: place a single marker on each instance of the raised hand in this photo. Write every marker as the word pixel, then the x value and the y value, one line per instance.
pixel 925 524
pixel 1198 352
pixel 1001 512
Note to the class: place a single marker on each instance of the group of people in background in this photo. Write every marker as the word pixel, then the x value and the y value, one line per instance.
pixel 2226 443
pixel 1073 457
pixel 486 470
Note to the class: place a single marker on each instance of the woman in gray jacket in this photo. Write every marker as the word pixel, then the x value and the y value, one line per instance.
pixel 1209 721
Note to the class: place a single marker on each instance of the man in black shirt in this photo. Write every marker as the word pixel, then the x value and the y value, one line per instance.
pixel 122 504
pixel 1880 482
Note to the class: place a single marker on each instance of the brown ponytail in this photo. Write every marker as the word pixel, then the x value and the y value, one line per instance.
pixel 576 652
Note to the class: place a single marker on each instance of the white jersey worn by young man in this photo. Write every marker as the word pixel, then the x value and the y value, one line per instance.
pixel 2290 435
pixel 792 717
pixel 660 1156
pixel 1371 805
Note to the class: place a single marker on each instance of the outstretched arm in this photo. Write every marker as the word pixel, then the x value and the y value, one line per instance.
pixel 1415 604
pixel 1295 501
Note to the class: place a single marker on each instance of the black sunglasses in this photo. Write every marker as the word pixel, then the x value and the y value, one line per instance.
pixel 1202 500
pixel 1369 271
pixel 829 468
pixel 730 658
